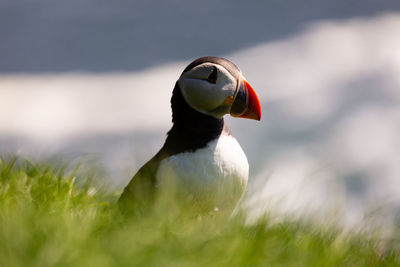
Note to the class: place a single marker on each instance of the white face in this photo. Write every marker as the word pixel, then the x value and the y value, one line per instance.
pixel 209 88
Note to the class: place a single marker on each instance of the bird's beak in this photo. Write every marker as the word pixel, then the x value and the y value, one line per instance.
pixel 245 103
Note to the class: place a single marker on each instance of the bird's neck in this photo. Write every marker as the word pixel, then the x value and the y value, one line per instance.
pixel 191 129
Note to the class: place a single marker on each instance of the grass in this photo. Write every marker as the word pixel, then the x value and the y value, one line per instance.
pixel 53 217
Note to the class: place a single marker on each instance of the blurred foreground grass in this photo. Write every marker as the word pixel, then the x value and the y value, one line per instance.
pixel 52 217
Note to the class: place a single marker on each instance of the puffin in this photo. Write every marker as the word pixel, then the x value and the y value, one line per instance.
pixel 200 162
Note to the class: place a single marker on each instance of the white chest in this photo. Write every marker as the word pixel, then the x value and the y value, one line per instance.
pixel 211 177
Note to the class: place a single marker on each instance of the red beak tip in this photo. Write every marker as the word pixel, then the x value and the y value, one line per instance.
pixel 254 103
pixel 251 104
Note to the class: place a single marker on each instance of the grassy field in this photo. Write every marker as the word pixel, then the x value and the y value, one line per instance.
pixel 53 217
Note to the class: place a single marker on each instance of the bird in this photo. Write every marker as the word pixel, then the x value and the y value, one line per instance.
pixel 200 157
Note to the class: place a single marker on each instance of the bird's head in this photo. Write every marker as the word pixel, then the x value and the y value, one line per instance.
pixel 215 86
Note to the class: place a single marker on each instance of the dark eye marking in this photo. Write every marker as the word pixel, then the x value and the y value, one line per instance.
pixel 212 78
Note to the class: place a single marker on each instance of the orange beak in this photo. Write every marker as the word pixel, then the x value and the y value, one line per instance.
pixel 246 104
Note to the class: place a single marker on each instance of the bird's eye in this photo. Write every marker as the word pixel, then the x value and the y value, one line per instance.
pixel 212 78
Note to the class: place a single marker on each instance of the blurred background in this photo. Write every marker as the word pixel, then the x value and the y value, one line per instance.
pixel 93 79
